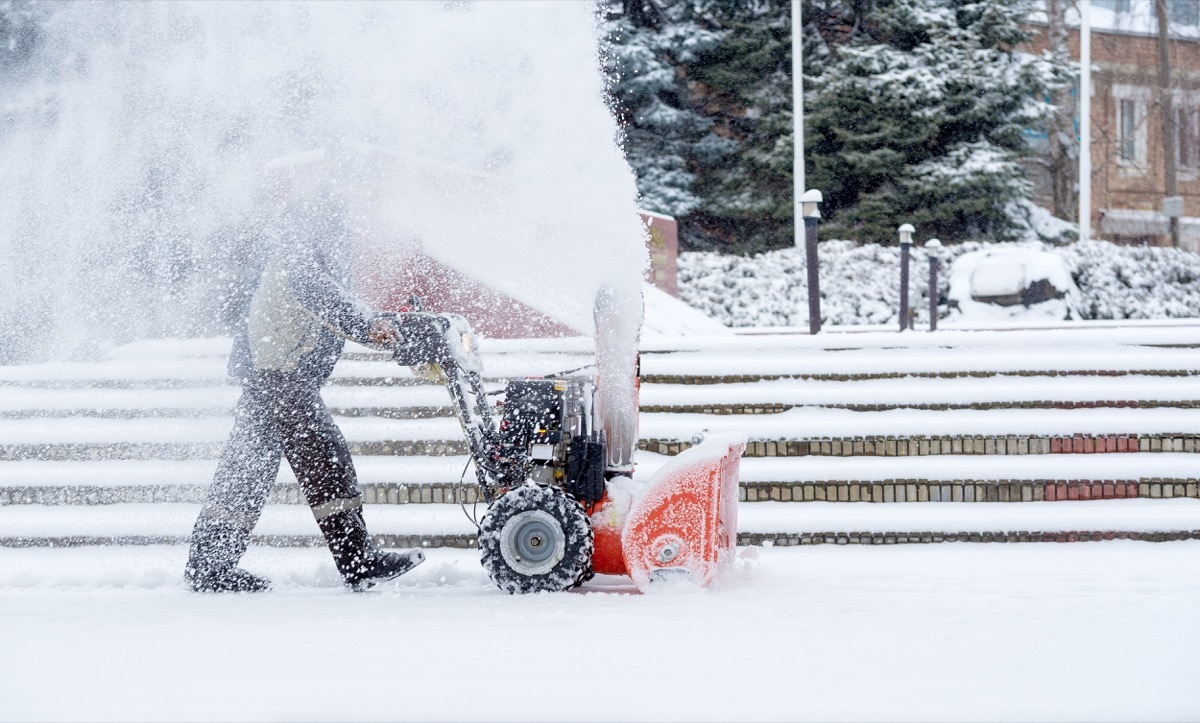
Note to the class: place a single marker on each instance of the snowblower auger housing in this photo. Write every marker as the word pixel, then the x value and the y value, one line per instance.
pixel 556 511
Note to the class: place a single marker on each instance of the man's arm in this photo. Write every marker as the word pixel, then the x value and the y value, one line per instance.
pixel 326 296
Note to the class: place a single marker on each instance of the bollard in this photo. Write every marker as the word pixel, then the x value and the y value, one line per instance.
pixel 809 202
pixel 933 247
pixel 906 232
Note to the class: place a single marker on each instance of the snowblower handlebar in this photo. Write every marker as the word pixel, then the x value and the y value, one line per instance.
pixel 446 342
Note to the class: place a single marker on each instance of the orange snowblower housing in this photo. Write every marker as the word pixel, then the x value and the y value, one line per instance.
pixel 684 520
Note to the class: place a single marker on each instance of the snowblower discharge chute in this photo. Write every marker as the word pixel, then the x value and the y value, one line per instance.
pixel 557 512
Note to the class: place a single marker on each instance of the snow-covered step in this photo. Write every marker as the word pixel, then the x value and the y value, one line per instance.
pixel 796 424
pixel 174 519
pixel 416 470
pixel 881 394
pixel 117 473
pixel 870 446
pixel 171 372
pixel 1036 338
pixel 392 401
pixel 869 524
pixel 427 400
pixel 750 364
pixel 891 490
pixel 921 445
pixel 769 523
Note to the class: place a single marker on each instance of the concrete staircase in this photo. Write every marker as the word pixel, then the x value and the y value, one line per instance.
pixel 934 436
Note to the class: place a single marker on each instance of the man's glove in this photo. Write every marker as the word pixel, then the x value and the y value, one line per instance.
pixel 384 332
pixel 430 372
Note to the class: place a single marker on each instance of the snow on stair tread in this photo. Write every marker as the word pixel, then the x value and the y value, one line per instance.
pixel 419 470
pixel 1138 515
pixel 414 470
pixel 926 391
pixel 875 391
pixel 815 423
pixel 210 398
pixel 1166 465
pixel 799 423
pixel 214 368
pixel 174 519
pixel 905 361
pixel 1121 332
pixel 199 431
pixel 177 519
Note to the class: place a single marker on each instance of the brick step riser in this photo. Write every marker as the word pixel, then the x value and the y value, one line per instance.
pixel 712 409
pixel 924 538
pixel 211 450
pixel 381 412
pixel 211 382
pixel 820 377
pixel 857 447
pixel 775 408
pixel 969 490
pixel 745 539
pixel 750 492
pixel 285 494
pixel 690 379
pixel 919 446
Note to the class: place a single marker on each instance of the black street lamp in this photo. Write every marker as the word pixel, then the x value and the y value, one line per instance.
pixel 906 232
pixel 809 202
pixel 933 248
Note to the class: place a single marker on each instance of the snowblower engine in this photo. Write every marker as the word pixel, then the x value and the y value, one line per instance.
pixel 551 521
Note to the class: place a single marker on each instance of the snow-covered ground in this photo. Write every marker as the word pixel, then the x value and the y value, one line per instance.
pixel 1103 631
pixel 1095 631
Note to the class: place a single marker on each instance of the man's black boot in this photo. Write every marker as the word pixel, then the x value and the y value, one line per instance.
pixel 212 560
pixel 361 564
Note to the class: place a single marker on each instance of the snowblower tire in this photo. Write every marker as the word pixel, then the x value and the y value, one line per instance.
pixel 536 539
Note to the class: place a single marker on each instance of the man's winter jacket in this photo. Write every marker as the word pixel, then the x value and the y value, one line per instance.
pixel 302 310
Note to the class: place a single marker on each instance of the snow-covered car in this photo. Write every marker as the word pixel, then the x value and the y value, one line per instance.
pixel 1012 283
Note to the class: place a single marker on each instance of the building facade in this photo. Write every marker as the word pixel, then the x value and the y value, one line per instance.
pixel 1127 119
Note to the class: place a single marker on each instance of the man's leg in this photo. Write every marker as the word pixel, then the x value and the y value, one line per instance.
pixel 320 459
pixel 245 475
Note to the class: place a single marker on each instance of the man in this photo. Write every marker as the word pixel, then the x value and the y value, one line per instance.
pixel 293 331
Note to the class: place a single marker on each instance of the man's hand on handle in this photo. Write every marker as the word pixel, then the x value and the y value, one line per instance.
pixel 383 332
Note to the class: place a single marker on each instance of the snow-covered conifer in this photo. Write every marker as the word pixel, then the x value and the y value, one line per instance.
pixel 919 114
pixel 646 49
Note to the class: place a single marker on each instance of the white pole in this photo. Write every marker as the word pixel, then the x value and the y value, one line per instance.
pixel 797 122
pixel 1085 120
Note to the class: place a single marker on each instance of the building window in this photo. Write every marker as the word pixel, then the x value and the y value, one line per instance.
pixel 1187 136
pixel 1179 12
pixel 1129 137
pixel 1184 12
pixel 1116 6
pixel 1127 130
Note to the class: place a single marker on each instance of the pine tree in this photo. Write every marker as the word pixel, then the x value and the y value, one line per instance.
pixel 646 51
pixel 919 116
pixel 744 83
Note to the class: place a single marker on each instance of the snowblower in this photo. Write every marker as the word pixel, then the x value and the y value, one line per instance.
pixel 561 501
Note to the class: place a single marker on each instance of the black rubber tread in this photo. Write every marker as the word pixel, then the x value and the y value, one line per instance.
pixel 572 570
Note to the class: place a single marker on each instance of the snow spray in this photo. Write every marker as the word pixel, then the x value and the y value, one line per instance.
pixel 134 145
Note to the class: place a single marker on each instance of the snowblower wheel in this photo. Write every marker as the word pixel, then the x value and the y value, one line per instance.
pixel 536 538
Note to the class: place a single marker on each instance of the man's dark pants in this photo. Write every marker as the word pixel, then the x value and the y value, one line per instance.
pixel 277 415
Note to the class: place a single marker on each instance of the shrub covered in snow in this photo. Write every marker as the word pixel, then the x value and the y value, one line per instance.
pixel 1134 282
pixel 860 283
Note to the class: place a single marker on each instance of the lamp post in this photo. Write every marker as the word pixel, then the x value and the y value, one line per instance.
pixel 906 232
pixel 808 203
pixel 933 248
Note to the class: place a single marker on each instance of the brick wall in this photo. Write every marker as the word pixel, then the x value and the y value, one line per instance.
pixel 1124 61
